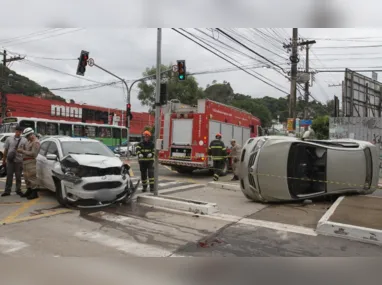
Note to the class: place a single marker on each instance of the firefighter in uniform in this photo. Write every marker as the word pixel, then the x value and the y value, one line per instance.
pixel 235 156
pixel 218 152
pixel 146 151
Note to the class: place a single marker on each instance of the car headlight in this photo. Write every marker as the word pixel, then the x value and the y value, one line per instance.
pixel 72 171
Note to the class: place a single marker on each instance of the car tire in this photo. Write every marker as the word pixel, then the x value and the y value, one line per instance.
pixel 59 195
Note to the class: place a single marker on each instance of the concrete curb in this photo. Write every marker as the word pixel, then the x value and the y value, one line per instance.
pixel 196 207
pixel 225 186
pixel 346 231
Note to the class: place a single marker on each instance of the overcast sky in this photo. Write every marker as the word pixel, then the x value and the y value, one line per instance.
pixel 127 52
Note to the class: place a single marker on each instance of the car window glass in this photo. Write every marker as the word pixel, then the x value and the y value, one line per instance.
pixel 4 138
pixel 43 148
pixel 52 149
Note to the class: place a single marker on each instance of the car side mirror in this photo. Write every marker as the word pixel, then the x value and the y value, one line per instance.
pixel 51 157
pixel 117 155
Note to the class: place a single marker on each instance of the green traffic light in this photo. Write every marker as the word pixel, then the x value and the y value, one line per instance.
pixel 181 76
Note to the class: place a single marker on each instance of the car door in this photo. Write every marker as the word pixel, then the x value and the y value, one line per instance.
pixel 41 163
pixel 49 165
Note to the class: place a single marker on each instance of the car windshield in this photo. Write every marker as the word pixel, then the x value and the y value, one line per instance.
pixel 85 147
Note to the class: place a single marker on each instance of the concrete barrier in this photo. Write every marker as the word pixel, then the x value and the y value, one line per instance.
pixel 224 186
pixel 348 231
pixel 197 207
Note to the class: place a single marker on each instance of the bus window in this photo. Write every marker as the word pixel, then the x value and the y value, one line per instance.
pixel 78 131
pixel 104 132
pixel 91 131
pixel 52 129
pixel 65 130
pixel 27 124
pixel 117 136
pixel 41 128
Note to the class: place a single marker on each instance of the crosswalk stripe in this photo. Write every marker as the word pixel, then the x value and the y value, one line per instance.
pixel 10 246
pixel 127 246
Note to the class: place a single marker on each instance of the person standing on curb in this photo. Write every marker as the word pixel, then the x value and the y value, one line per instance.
pixel 13 162
pixel 146 152
pixel 30 151
pixel 235 156
pixel 218 152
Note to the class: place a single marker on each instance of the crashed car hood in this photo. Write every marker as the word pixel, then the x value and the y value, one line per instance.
pixel 99 161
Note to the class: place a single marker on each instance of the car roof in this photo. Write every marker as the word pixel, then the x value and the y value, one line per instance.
pixel 70 139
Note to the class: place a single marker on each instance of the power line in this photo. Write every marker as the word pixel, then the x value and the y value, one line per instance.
pixel 230 61
pixel 348 47
pixel 55 35
pixel 27 36
pixel 250 49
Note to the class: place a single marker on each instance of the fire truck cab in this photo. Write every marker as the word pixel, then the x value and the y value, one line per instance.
pixel 187 131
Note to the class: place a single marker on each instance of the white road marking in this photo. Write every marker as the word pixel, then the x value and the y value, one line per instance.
pixel 9 246
pixel 331 210
pixel 128 246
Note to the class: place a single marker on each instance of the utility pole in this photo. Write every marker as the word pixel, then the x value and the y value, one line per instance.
pixel 294 59
pixel 5 81
pixel 157 109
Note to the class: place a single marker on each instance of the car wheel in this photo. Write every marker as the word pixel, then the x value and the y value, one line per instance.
pixel 61 199
pixel 246 196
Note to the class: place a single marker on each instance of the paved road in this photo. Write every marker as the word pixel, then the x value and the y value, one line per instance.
pixel 145 232
pixel 241 228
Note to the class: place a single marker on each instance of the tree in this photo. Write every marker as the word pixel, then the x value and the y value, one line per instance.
pixel 320 125
pixel 252 106
pixel 187 91
pixel 218 92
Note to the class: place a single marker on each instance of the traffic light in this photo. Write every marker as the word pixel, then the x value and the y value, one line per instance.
pixel 181 69
pixel 128 111
pixel 163 94
pixel 82 63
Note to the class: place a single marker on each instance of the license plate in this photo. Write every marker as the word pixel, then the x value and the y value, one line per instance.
pixel 178 154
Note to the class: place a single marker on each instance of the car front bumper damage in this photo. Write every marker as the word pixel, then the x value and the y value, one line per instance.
pixel 76 194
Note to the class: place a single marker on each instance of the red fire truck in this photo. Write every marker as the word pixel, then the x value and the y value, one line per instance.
pixel 187 131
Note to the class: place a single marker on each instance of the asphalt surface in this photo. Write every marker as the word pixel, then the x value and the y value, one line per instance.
pixel 241 228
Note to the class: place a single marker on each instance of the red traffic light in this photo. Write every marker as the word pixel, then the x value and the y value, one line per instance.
pixel 128 106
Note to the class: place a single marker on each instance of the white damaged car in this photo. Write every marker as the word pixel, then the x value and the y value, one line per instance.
pixel 83 172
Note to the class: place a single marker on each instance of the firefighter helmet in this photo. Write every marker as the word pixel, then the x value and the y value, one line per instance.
pixel 218 135
pixel 147 133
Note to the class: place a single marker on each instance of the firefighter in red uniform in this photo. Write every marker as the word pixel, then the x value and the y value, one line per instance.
pixel 146 151
pixel 218 152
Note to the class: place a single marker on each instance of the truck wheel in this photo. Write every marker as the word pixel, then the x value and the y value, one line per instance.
pixel 184 170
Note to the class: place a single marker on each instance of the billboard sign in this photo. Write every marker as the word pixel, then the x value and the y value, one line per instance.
pixel 361 95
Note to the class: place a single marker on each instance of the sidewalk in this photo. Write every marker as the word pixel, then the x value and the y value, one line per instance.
pixel 355 218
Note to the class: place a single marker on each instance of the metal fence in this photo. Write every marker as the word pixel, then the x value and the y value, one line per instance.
pixel 359 128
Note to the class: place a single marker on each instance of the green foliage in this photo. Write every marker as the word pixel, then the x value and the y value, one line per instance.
pixel 187 91
pixel 19 84
pixel 254 107
pixel 320 125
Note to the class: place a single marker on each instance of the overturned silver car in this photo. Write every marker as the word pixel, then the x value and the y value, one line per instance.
pixel 83 173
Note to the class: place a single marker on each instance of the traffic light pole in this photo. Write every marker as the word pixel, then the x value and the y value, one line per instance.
pixel 128 95
pixel 157 109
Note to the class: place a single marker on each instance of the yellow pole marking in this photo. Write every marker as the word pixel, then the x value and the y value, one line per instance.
pixel 19 211
pixel 63 211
